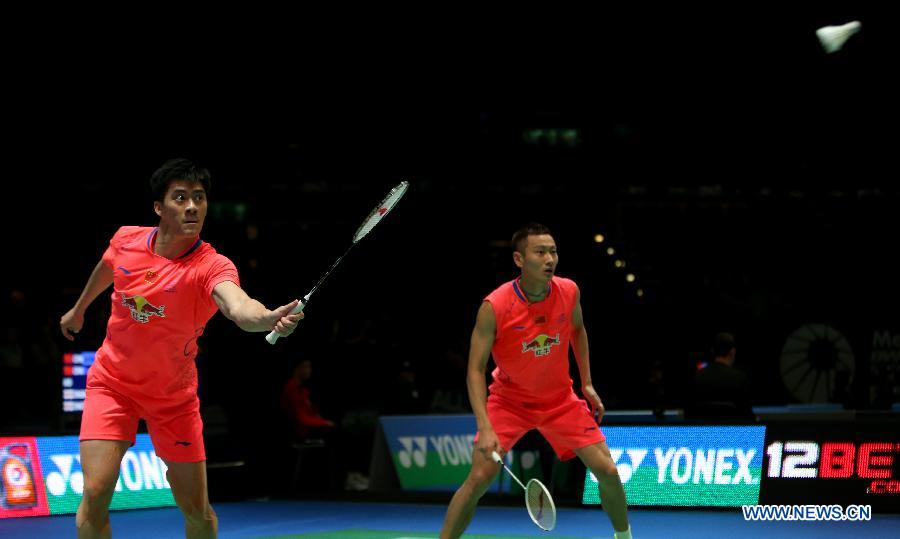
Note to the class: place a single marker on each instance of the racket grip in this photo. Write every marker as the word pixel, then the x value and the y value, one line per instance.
pixel 273 335
pixel 497 458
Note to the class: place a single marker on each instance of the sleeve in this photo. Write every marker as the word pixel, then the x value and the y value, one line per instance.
pixel 221 269
pixel 115 243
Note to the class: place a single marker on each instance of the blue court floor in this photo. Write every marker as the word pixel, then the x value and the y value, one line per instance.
pixel 333 520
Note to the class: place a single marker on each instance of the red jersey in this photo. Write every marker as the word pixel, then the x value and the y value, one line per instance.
pixel 159 308
pixel 531 345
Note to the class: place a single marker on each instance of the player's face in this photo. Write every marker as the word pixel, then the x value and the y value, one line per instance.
pixel 183 208
pixel 539 260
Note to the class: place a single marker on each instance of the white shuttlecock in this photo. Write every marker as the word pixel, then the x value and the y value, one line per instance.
pixel 833 38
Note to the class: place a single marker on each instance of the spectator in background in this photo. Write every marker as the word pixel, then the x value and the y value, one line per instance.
pixel 298 405
pixel 721 393
pixel 309 425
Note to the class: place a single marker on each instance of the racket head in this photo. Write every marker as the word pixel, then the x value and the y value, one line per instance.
pixel 540 505
pixel 382 209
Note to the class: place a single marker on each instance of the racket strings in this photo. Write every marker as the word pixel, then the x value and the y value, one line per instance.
pixel 381 210
pixel 540 505
pixel 373 219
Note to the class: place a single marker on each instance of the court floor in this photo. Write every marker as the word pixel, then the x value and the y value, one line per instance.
pixel 336 520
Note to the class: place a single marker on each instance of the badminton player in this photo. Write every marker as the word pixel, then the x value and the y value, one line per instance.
pixel 167 283
pixel 527 325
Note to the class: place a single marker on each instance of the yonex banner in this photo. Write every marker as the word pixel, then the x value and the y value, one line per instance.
pixel 431 452
pixel 43 476
pixel 685 466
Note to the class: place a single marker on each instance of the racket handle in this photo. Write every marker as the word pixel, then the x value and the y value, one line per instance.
pixel 273 335
pixel 499 460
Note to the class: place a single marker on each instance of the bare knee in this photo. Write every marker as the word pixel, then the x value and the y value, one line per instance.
pixel 97 494
pixel 605 471
pixel 195 507
pixel 198 513
pixel 480 480
pixel 191 497
pixel 93 511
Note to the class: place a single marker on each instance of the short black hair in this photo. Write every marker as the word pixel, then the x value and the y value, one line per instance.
pixel 177 169
pixel 723 344
pixel 520 238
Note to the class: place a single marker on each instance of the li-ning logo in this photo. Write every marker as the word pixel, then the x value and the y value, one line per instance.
pixel 540 345
pixel 141 309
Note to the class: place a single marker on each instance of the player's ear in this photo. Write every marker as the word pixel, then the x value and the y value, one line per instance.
pixel 517 258
pixel 157 207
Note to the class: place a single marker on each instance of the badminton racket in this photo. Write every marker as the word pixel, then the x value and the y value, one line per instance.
pixel 538 501
pixel 374 217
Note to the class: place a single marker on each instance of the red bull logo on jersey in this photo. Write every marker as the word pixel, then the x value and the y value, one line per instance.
pixel 540 345
pixel 141 309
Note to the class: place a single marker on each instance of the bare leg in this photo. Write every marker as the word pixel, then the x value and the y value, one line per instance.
pixel 462 506
pixel 597 458
pixel 100 462
pixel 189 487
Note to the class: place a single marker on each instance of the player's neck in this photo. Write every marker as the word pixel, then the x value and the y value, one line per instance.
pixel 169 245
pixel 534 291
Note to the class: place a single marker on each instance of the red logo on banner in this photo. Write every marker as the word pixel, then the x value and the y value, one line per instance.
pixel 22 491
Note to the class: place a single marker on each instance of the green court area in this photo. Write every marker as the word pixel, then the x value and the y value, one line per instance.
pixel 374 534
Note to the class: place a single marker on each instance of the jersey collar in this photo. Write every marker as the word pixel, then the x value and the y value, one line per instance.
pixel 190 249
pixel 521 294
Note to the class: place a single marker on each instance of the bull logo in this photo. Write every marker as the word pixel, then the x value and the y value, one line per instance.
pixel 141 309
pixel 540 345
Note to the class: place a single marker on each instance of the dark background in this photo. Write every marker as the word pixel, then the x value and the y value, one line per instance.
pixel 747 179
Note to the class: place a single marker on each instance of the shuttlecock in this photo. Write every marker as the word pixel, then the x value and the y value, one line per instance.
pixel 833 38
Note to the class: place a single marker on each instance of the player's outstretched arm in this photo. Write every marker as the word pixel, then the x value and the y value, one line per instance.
pixel 251 315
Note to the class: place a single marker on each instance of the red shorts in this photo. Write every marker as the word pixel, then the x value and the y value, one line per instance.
pixel 109 415
pixel 568 425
